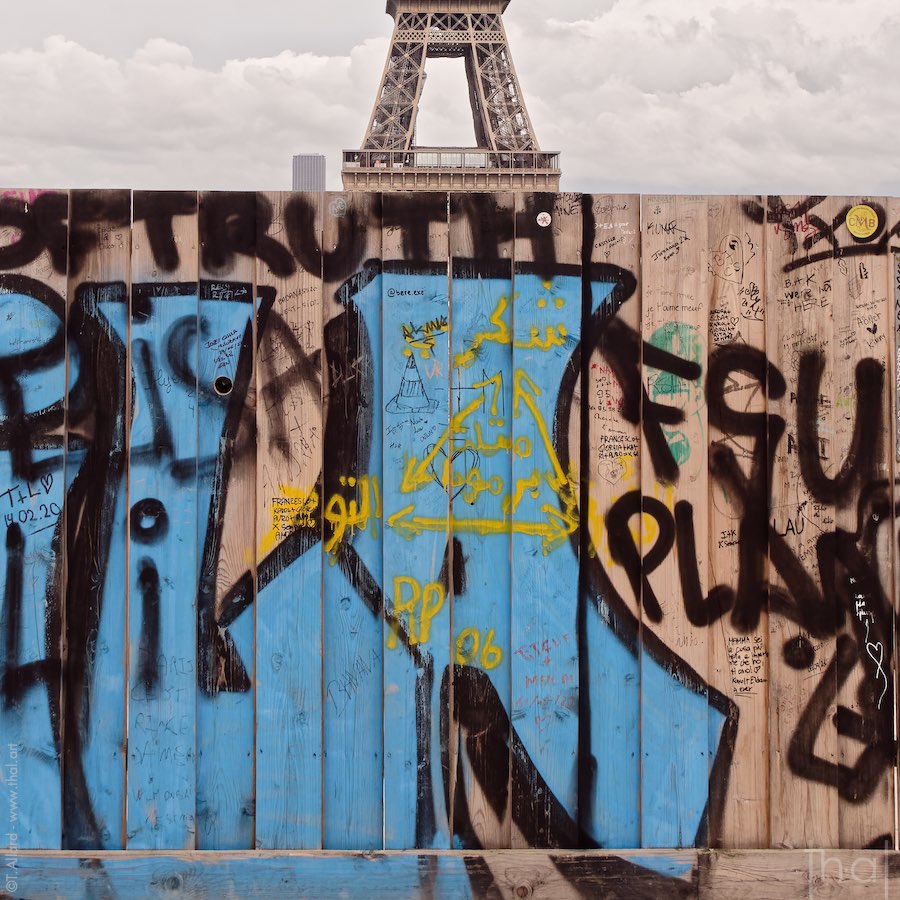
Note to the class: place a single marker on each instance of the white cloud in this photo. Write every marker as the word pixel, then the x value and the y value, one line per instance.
pixel 157 120
pixel 642 95
pixel 730 97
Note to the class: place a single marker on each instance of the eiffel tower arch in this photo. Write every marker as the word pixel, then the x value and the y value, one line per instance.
pixel 507 156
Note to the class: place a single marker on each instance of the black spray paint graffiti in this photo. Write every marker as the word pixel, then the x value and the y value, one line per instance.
pixel 101 469
pixel 232 226
pixel 846 561
pixel 804 229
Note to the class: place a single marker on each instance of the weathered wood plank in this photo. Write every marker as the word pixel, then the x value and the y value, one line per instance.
pixel 163 504
pixel 786 875
pixel 802 660
pixel 675 722
pixel 33 302
pixel 610 694
pixel 893 411
pixel 417 432
pixel 544 876
pixel 96 513
pixel 546 640
pixel 862 565
pixel 480 487
pixel 739 639
pixel 625 875
pixel 226 525
pixel 289 529
pixel 352 578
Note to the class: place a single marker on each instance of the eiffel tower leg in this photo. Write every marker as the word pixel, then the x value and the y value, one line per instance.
pixel 480 118
pixel 393 120
pixel 507 119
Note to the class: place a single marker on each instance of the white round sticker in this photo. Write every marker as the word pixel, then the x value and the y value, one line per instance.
pixel 544 219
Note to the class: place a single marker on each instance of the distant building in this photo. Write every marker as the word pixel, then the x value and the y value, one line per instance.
pixel 309 172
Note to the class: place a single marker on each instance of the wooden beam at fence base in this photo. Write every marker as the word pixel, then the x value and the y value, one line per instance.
pixel 790 874
pixel 533 874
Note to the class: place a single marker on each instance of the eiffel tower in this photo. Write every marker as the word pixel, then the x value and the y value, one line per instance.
pixel 507 156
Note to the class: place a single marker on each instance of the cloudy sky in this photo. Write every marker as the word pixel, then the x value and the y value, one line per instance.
pixel 681 96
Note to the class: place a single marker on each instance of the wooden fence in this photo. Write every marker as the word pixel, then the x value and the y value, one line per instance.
pixel 471 522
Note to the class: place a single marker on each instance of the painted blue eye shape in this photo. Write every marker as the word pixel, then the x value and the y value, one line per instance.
pixel 149 521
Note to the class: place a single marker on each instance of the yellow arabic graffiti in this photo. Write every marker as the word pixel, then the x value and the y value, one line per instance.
pixel 298 507
pixel 349 515
pixel 500 335
pixel 560 517
pixel 554 335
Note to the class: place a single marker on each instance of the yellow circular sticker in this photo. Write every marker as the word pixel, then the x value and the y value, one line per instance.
pixel 862 221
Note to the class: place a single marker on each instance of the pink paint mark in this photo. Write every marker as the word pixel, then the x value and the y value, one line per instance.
pixel 26 196
pixel 800 225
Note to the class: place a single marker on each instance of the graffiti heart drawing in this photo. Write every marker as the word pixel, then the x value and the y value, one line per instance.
pixel 452 475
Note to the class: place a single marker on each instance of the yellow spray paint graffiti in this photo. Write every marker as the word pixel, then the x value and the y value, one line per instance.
pixel 348 516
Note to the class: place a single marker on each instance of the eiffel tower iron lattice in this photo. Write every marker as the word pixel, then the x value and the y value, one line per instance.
pixel 507 156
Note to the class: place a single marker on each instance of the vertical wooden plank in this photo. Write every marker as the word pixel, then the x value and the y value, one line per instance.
pixel 892 588
pixel 417 549
pixel 802 654
pixel 289 552
pixel 226 525
pixel 738 521
pixel 545 640
pixel 674 477
pixel 162 498
pixel 352 511
pixel 33 270
pixel 612 236
pixel 480 488
pixel 96 517
pixel 861 549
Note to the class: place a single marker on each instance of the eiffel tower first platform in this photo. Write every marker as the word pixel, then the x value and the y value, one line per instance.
pixel 507 156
